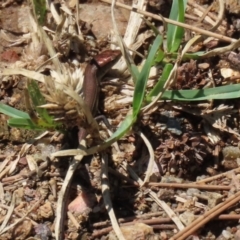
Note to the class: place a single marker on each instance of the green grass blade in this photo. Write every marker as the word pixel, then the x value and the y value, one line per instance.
pixel 40 11
pixel 134 71
pixel 153 27
pixel 22 123
pixel 138 98
pixel 38 100
pixel 223 92
pixel 123 128
pixel 139 90
pixel 159 86
pixel 194 56
pixel 175 33
pixel 160 56
pixel 187 56
pixel 12 112
pixel 35 94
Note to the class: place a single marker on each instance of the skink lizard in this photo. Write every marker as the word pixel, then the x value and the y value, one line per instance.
pixel 94 71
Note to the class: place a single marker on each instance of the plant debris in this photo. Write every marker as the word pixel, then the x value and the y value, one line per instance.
pixel 175 175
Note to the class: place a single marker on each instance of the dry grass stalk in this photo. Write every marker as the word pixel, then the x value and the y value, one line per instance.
pixel 167 20
pixel 62 200
pixel 107 198
pixel 151 157
pixel 202 9
pixel 22 218
pixel 9 213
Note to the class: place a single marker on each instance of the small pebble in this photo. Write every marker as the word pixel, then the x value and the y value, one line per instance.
pixel 226 234
pixel 192 191
pixel 203 66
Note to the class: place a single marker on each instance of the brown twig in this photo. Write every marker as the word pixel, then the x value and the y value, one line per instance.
pixel 201 221
pixel 128 219
pixel 190 185
pixel 228 217
pixel 157 223
pixel 164 226
pixel 221 175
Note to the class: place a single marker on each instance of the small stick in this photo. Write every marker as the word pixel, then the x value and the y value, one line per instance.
pixel 190 185
pixel 221 175
pixel 132 218
pixel 157 219
pixel 157 223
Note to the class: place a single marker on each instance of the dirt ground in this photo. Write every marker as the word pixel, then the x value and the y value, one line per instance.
pixel 192 192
